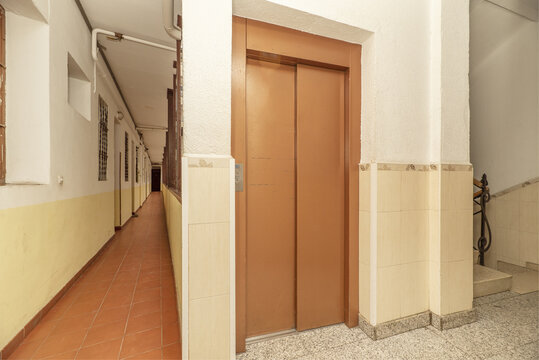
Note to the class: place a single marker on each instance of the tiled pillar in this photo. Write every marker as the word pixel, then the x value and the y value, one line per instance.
pixel 415 254
pixel 451 228
pixel 208 309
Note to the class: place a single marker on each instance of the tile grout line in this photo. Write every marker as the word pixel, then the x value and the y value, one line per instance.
pixel 104 297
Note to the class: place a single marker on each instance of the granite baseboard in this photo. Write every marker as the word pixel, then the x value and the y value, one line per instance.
pixel 394 327
pixel 399 326
pixel 450 321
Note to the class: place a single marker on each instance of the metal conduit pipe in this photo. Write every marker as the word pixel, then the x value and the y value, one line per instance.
pixel 168 20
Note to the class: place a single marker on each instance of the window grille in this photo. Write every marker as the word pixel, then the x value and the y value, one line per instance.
pixel 136 165
pixel 126 160
pixel 103 139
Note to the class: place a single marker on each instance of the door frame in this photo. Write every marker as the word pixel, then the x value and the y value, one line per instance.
pixel 262 41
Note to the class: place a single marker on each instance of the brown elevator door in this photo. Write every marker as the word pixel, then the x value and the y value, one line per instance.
pixel 270 186
pixel 320 197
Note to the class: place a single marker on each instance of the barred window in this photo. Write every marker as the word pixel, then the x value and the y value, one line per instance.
pixel 103 138
pixel 136 164
pixel 126 161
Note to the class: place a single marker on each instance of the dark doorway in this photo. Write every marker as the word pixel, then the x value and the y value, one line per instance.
pixel 156 179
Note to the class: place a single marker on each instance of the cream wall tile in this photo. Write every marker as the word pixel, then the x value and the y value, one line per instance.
pixel 445 288
pixel 530 192
pixel 510 248
pixel 434 287
pixel 434 235
pixel 209 195
pixel 208 260
pixel 415 190
pixel 389 190
pixel 434 189
pixel 364 237
pixel 365 291
pixel 528 216
pixel 365 190
pixel 507 214
pixel 528 247
pixel 209 328
pixel 388 293
pixel 414 244
pixel 460 285
pixel 389 238
pixel 414 288
pixel 462 189
pixel 446 195
pixel 456 234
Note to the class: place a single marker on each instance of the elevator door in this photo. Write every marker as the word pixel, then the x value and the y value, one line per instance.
pixel 295 197
pixel 270 176
pixel 320 197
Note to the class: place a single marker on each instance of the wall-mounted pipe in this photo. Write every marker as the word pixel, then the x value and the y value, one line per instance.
pixel 168 20
pixel 153 128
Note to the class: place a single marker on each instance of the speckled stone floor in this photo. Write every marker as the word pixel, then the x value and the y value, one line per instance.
pixel 507 329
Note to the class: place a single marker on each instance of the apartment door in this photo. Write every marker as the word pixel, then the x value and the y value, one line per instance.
pixel 295 197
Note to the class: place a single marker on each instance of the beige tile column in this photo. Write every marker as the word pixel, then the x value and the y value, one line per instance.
pixel 208 308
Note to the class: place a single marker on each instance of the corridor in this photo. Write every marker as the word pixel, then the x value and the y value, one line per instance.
pixel 123 306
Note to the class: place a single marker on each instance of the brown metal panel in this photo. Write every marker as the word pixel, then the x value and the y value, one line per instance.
pixel 271 199
pixel 238 152
pixel 263 37
pixel 320 196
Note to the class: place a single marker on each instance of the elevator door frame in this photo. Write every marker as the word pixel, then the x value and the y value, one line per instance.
pixel 262 41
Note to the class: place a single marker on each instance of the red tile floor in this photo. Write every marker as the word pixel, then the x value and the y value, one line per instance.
pixel 122 307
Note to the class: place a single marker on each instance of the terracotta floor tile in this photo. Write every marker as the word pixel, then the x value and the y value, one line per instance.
pixel 149 355
pixel 145 307
pixel 26 350
pixel 60 343
pixel 147 295
pixel 143 322
pixel 41 331
pixel 171 333
pixel 103 351
pixel 141 342
pixel 105 316
pixel 130 286
pixel 104 332
pixel 173 351
pixel 69 324
pixel 63 356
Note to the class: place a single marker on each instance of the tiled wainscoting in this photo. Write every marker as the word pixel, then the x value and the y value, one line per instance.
pixel 208 258
pixel 514 219
pixel 415 254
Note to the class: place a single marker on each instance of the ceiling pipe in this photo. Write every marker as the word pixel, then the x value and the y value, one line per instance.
pixel 118 36
pixel 168 20
pixel 148 127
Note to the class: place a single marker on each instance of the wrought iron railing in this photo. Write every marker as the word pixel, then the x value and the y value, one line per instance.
pixel 481 198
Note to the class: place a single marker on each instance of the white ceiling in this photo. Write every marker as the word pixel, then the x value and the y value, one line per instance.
pixel 143 73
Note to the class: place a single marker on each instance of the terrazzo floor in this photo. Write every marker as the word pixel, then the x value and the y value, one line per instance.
pixel 507 329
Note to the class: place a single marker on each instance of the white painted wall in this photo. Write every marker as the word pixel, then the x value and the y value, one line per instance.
pixel 207 56
pixel 27 101
pixel 397 68
pixel 504 96
pixel 73 140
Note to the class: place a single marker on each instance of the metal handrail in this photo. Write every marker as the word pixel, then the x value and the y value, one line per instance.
pixel 483 243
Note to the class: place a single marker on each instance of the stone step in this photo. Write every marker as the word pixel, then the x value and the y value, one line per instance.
pixel 487 281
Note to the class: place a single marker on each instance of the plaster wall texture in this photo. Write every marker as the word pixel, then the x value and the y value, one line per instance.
pixel 399 55
pixel 504 95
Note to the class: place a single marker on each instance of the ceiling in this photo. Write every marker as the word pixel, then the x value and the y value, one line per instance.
pixel 143 73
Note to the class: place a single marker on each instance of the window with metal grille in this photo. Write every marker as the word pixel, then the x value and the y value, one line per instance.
pixel 2 96
pixel 136 164
pixel 103 138
pixel 126 160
